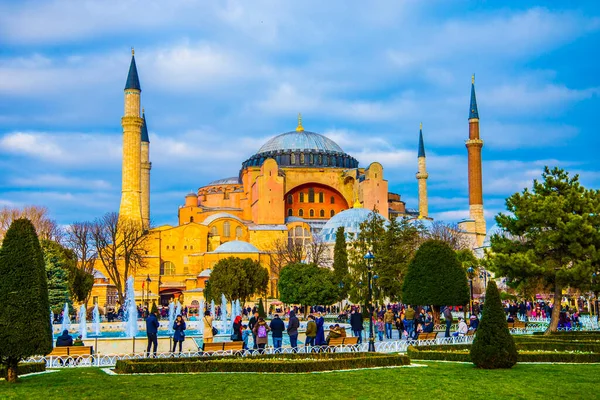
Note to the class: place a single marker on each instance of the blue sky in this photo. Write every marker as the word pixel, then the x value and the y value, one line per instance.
pixel 220 78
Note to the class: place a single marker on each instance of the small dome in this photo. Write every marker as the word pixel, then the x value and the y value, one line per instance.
pixel 211 218
pixel 236 246
pixel 234 180
pixel 205 273
pixel 350 219
pixel 300 140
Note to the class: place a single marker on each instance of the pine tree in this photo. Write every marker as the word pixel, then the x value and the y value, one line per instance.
pixel 25 328
pixel 340 263
pixel 435 277
pixel 493 346
pixel 154 308
pixel 261 309
pixel 57 270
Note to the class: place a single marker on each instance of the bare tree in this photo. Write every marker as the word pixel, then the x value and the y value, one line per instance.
pixel 291 251
pixel 451 234
pixel 318 252
pixel 78 238
pixel 120 247
pixel 45 227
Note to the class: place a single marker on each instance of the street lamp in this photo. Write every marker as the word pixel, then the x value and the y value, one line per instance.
pixel 471 275
pixel 148 281
pixel 595 290
pixel 369 257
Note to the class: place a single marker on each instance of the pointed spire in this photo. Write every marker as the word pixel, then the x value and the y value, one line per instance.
pixel 145 137
pixel 421 144
pixel 133 82
pixel 299 128
pixel 473 113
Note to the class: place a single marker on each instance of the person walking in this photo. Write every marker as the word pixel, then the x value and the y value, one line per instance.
pixel 311 332
pixel 251 324
pixel 388 319
pixel 261 330
pixel 449 319
pixel 292 330
pixel 356 322
pixel 320 338
pixel 207 332
pixel 277 327
pixel 409 321
pixel 236 336
pixel 179 335
pixel 152 333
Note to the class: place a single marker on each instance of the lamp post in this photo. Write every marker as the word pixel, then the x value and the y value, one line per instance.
pixel 148 281
pixel 471 275
pixel 595 290
pixel 369 260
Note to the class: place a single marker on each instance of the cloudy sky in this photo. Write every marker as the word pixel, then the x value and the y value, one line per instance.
pixel 220 78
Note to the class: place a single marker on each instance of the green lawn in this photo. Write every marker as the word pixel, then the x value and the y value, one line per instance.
pixel 437 380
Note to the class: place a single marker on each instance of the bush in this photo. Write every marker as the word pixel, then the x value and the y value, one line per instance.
pixel 417 353
pixel 523 356
pixel 493 346
pixel 24 368
pixel 290 363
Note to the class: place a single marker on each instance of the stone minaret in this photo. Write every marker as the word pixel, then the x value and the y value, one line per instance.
pixel 131 207
pixel 422 176
pixel 146 166
pixel 474 145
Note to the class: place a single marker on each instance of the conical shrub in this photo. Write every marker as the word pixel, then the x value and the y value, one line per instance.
pixel 493 346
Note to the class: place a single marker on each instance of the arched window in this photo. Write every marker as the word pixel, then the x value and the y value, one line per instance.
pixel 301 158
pixel 311 158
pixel 214 231
pixel 322 213
pixel 299 236
pixel 239 232
pixel 332 200
pixel 311 195
pixel 290 199
pixel 311 213
pixel 332 213
pixel 320 159
pixel 167 268
pixel 293 159
pixel 226 229
pixel 191 219
pixel 301 213
pixel 290 212
pixel 301 197
pixel 321 197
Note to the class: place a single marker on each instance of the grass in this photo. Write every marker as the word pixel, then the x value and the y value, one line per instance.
pixel 437 380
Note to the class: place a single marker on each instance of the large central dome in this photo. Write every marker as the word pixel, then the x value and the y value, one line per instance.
pixel 300 140
pixel 302 149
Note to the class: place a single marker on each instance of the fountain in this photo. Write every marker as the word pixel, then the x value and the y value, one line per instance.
pixel 66 322
pixel 178 309
pixel 171 316
pixel 201 310
pixel 131 311
pixel 96 315
pixel 212 309
pixel 82 322
pixel 224 314
pixel 51 317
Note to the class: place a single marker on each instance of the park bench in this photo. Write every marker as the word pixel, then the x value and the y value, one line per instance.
pixel 471 332
pixel 222 346
pixel 427 336
pixel 343 341
pixel 517 325
pixel 73 351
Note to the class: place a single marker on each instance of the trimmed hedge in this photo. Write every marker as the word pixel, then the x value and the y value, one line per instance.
pixel 291 363
pixel 24 368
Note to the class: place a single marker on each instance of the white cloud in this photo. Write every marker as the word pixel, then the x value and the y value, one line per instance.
pixel 59 181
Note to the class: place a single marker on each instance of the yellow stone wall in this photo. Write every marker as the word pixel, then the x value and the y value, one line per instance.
pixel 422 176
pixel 145 183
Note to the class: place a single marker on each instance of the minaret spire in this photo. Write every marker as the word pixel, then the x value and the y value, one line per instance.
pixel 146 166
pixel 474 146
pixel 133 81
pixel 422 176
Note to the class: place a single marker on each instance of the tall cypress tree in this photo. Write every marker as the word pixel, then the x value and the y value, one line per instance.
pixel 25 328
pixel 340 262
pixel 57 270
pixel 493 346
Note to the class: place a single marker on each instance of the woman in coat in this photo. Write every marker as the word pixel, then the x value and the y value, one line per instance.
pixel 320 339
pixel 237 329
pixel 207 333
pixel 261 330
pixel 179 335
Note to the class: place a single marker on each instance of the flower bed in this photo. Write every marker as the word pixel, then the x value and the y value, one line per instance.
pixel 24 368
pixel 291 363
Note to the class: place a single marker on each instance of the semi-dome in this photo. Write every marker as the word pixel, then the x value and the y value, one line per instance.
pixel 302 149
pixel 350 219
pixel 494 230
pixel 236 246
pixel 226 181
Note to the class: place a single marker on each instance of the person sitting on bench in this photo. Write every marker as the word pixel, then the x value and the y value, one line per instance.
pixel 64 340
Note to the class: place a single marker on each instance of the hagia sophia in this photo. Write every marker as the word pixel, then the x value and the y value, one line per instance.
pixel 298 185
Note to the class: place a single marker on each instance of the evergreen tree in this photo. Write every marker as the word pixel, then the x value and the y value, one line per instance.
pixel 435 277
pixel 154 308
pixel 307 284
pixel 25 328
pixel 340 263
pixel 493 346
pixel 552 232
pixel 238 279
pixel 261 309
pixel 57 271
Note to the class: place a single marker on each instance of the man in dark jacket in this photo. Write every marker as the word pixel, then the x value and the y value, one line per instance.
pixel 277 327
pixel 356 321
pixel 251 324
pixel 64 340
pixel 449 319
pixel 292 330
pixel 152 333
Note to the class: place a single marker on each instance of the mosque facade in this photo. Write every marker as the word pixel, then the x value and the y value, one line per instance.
pixel 297 185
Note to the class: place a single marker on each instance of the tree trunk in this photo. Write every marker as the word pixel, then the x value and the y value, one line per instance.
pixel 553 327
pixel 12 370
pixel 436 315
